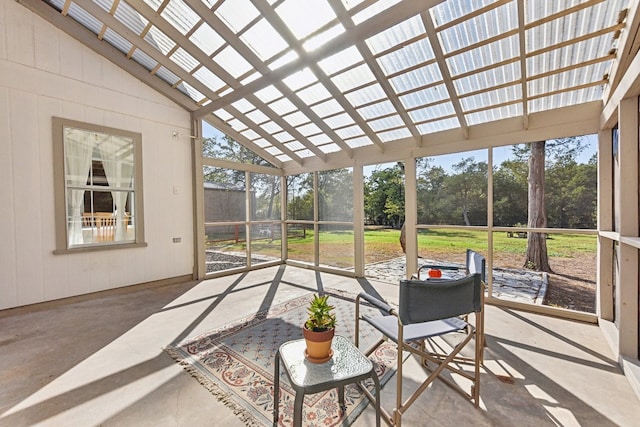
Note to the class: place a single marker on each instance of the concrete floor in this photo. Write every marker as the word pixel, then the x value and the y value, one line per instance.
pixel 98 360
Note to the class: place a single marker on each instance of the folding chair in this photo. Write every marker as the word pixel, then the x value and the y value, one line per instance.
pixel 429 309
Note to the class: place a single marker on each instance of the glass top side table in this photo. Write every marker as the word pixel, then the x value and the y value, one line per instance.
pixel 348 365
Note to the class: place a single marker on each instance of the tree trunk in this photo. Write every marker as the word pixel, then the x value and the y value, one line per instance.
pixel 536 257
pixel 403 238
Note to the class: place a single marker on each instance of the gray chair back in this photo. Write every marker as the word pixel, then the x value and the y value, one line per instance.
pixel 434 299
pixel 476 264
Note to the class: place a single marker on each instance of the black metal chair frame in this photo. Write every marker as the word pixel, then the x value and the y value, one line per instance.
pixel 429 309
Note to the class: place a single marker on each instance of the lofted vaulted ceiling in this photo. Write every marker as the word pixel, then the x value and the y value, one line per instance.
pixel 300 79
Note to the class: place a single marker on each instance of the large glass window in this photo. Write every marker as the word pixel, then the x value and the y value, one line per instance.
pixel 99 192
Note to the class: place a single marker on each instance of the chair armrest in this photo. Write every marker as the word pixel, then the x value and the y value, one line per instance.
pixel 376 302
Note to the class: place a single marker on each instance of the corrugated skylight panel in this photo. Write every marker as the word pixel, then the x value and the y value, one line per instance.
pixel 271 127
pixel 85 18
pixel 489 78
pixel 281 60
pixel 237 125
pixel 370 11
pixel 308 129
pixel 206 39
pixel 385 123
pixel 538 9
pixel 273 151
pixel 431 113
pixel 237 14
pixel 297 118
pixel 117 41
pixel 450 10
pixel 283 158
pixel 484 55
pixel 181 16
pixel 365 95
pixel 192 92
pixel 416 53
pixel 565 99
pixel 232 62
pixel 330 148
pixel 209 79
pixel 143 59
pixel 569 55
pixel 349 132
pixel 305 17
pixel 300 79
pixel 264 40
pixel 319 139
pixel 353 77
pixel 243 105
pixel 396 35
pixel 257 116
pixel 425 96
pixel 153 4
pixel 184 60
pixel 159 40
pixel 130 18
pixel 568 79
pixel 394 135
pixel 223 115
pixel 340 120
pixel 327 108
pixel 167 76
pixel 341 60
pixel 494 114
pixel 438 126
pixel 262 143
pixel 268 94
pixel 491 97
pixel 313 94
pixel 305 153
pixel 294 145
pixel 417 78
pixel 376 110
pixel 250 134
pixel 361 141
pixel 492 23
pixel 560 30
pixel 282 106
pixel 283 136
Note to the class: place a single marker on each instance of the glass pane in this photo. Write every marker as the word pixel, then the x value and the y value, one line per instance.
pixel 266 242
pixel 265 197
pixel 452 189
pixel 224 195
pixel 225 247
pixel 300 242
pixel 300 196
pixel 335 195
pixel 336 245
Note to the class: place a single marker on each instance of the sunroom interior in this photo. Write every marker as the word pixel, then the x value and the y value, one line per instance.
pixel 316 92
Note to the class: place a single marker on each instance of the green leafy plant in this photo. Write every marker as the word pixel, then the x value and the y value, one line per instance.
pixel 321 317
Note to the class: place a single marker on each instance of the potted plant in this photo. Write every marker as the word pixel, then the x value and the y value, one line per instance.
pixel 319 329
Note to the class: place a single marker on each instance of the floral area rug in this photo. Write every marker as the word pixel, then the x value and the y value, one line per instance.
pixel 236 364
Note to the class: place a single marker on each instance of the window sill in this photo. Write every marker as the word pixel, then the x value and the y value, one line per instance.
pixel 99 248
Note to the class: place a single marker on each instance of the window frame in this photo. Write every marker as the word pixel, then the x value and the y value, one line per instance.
pixel 60 187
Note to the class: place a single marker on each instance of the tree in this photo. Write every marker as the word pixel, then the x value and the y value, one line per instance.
pixel 536 257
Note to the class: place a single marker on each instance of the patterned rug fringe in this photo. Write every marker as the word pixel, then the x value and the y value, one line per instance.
pixel 226 398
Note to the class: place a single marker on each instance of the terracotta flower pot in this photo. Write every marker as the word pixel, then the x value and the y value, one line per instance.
pixel 318 345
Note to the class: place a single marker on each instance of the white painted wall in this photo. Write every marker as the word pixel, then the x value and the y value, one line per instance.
pixel 46 73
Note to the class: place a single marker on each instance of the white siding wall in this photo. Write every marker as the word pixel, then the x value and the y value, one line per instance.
pixel 46 73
